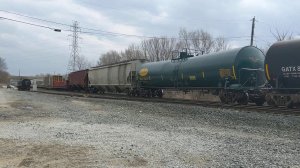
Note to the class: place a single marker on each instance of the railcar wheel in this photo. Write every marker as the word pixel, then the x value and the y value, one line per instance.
pixel 242 102
pixel 272 103
pixel 243 99
pixel 128 92
pixel 290 104
pixel 270 100
pixel 222 97
pixel 160 93
pixel 259 102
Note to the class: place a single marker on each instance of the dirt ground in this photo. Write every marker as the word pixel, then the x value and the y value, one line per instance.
pixel 23 153
pixel 40 130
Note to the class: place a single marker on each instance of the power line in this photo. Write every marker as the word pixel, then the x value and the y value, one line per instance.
pixel 44 20
pixel 63 24
pixel 103 32
pixel 31 17
pixel 32 24
pixel 151 37
pixel 85 32
pixel 96 31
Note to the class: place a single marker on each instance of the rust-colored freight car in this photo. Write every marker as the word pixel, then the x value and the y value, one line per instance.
pixel 78 80
pixel 55 82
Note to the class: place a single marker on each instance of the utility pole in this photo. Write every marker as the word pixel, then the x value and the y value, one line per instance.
pixel 74 46
pixel 252 32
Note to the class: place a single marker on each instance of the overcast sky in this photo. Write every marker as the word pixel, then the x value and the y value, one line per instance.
pixel 34 50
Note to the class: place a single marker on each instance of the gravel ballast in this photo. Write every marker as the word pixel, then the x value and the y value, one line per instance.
pixel 41 130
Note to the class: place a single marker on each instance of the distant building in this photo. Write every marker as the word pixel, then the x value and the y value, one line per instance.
pixel 13 80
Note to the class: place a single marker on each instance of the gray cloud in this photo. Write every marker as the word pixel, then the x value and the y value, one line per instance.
pixel 35 50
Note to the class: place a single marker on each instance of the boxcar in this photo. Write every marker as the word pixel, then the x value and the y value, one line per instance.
pixel 78 80
pixel 118 77
pixel 55 82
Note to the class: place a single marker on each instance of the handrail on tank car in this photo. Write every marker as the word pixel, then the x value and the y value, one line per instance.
pixel 184 54
pixel 253 69
pixel 250 69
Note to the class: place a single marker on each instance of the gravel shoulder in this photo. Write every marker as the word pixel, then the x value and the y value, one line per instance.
pixel 40 130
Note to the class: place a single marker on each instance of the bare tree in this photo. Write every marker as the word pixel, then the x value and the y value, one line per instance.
pixel 282 35
pixel 207 41
pixel 143 47
pixel 153 49
pixel 158 49
pixel 82 63
pixel 4 77
pixel 200 40
pixel 220 44
pixel 109 58
pixel 161 48
pixel 184 39
pixel 3 66
pixel 168 45
pixel 132 52
pixel 3 74
pixel 279 36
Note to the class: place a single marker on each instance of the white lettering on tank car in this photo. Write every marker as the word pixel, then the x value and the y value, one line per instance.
pixel 290 69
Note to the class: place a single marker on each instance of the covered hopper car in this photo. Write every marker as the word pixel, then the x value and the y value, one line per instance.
pixel 118 77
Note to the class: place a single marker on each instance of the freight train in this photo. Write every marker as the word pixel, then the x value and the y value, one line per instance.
pixel 235 75
pixel 239 75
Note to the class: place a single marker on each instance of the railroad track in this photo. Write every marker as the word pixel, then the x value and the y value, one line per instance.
pixel 249 107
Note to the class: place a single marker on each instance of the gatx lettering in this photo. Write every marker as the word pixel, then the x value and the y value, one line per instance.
pixel 290 68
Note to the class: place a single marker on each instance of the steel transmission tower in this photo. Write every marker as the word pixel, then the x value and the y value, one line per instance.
pixel 74 46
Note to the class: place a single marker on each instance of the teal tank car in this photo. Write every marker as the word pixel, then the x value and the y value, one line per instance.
pixel 233 74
